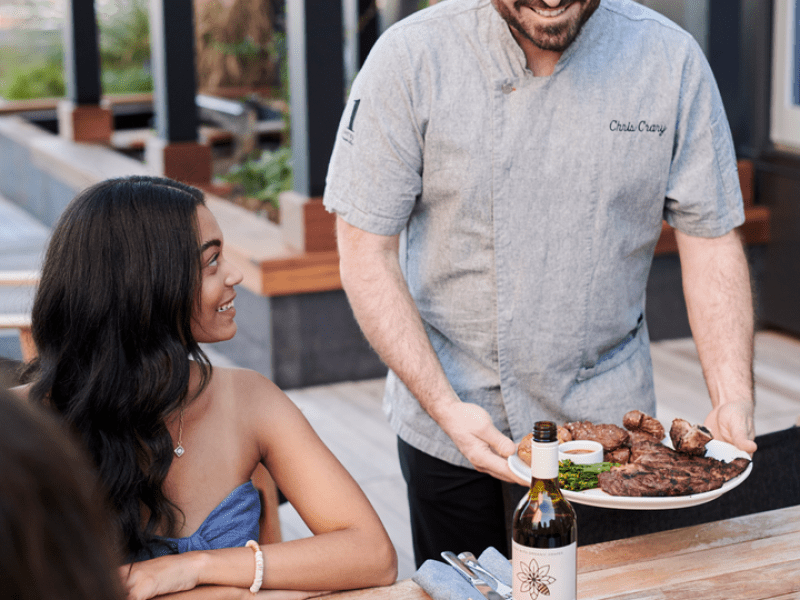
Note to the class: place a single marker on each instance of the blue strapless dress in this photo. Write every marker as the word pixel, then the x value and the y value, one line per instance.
pixel 231 524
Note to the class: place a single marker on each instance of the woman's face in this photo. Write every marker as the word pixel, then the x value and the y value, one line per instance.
pixel 212 318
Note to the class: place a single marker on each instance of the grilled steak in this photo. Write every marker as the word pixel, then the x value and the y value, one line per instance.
pixel 637 421
pixel 634 479
pixel 688 438
pixel 656 470
pixel 640 436
pixel 610 436
pixel 619 455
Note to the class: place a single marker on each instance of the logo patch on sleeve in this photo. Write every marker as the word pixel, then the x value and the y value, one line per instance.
pixel 349 134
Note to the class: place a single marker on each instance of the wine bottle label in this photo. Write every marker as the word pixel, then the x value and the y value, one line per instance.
pixel 544 573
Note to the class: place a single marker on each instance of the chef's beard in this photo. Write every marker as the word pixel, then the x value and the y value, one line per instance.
pixel 557 37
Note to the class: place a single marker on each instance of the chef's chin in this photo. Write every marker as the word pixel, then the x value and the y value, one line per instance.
pixel 555 37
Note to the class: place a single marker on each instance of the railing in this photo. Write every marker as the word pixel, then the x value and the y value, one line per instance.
pixel 20 321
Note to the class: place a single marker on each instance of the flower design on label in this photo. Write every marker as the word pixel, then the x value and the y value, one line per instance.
pixel 535 579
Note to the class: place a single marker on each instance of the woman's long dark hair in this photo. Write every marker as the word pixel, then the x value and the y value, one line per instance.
pixel 56 540
pixel 112 326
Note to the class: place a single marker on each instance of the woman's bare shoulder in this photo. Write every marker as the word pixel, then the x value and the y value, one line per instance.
pixel 244 387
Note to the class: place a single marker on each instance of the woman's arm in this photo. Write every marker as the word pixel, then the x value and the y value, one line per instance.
pixel 349 549
pixel 219 592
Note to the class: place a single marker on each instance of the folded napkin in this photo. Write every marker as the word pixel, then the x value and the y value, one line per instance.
pixel 443 582
pixel 496 564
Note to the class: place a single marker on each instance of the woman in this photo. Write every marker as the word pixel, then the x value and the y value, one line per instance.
pixel 135 277
pixel 55 542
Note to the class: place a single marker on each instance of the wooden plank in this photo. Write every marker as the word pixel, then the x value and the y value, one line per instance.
pixel 15 321
pixel 402 590
pixel 779 581
pixel 307 272
pixel 781 523
pixel 17 278
pixel 779 350
pixel 746 179
pixel 691 566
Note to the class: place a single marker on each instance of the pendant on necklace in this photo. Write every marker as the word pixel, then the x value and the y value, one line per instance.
pixel 179 451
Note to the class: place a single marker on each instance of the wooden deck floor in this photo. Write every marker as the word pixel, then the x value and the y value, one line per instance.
pixel 349 419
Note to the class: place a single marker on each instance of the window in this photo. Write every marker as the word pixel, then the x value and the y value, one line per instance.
pixel 785 126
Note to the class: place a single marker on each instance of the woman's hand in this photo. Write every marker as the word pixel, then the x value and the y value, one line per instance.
pixel 287 595
pixel 158 576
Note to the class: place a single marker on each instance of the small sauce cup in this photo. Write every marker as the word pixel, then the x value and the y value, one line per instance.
pixel 581 452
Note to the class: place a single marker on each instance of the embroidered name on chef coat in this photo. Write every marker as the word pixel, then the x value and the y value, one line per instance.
pixel 640 127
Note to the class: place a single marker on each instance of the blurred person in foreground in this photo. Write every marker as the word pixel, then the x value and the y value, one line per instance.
pixel 55 543
pixel 500 176
pixel 134 279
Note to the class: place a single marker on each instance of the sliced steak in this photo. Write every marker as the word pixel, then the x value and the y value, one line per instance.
pixel 610 436
pixel 641 436
pixel 637 421
pixel 619 455
pixel 688 438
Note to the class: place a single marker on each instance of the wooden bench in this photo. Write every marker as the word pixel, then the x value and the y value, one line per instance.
pixel 20 321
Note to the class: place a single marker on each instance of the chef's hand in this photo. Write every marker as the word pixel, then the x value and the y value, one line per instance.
pixel 471 429
pixel 732 422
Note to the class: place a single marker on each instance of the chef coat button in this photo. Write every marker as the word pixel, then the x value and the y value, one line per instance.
pixel 507 88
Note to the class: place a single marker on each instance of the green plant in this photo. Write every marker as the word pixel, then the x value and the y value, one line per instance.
pixel 125 47
pixel 124 29
pixel 264 177
pixel 44 79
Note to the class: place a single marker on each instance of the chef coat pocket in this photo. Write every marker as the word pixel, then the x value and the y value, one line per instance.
pixel 615 356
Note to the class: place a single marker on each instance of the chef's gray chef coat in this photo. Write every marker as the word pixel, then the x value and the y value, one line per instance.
pixel 529 207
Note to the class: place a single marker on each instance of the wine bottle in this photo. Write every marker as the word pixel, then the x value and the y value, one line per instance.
pixel 544 530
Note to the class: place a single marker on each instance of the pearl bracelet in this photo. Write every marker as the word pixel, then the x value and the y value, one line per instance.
pixel 259 578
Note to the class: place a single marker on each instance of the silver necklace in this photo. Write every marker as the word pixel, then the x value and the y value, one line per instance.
pixel 179 448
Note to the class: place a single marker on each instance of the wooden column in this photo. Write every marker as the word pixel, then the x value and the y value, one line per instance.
pixel 316 73
pixel 175 151
pixel 80 116
pixel 368 28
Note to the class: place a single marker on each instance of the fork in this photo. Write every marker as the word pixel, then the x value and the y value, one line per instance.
pixel 469 559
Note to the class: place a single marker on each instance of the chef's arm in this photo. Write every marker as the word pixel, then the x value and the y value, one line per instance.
pixel 388 316
pixel 716 285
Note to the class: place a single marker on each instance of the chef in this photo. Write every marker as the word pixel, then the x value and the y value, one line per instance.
pixel 500 177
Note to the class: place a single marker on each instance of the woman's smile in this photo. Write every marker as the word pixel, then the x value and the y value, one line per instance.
pixel 212 319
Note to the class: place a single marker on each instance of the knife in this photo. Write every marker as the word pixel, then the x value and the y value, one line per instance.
pixel 468 558
pixel 467 573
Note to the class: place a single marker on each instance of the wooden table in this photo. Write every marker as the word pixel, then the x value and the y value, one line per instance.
pixel 754 557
